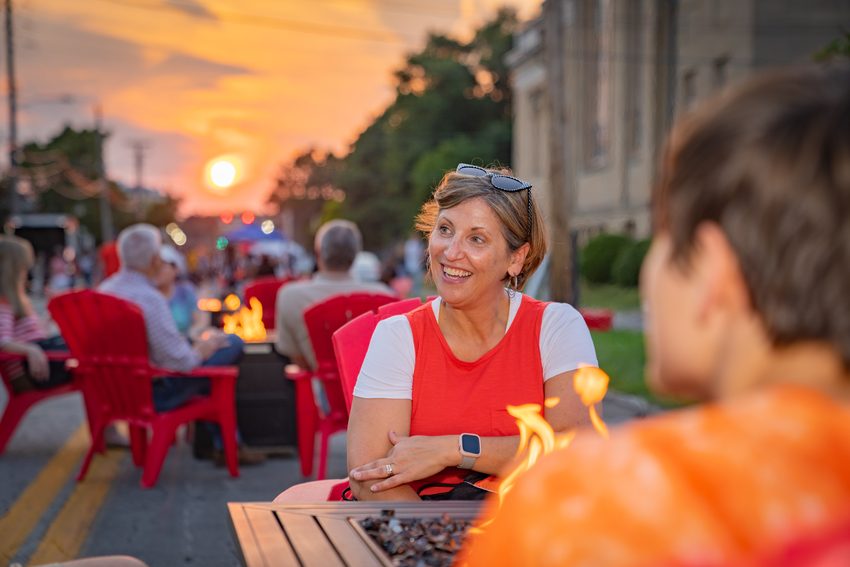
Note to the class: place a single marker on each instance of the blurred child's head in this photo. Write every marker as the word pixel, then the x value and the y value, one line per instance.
pixel 752 229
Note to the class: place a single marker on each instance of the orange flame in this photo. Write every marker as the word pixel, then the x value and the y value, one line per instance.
pixel 247 323
pixel 536 436
pixel 210 304
pixel 231 302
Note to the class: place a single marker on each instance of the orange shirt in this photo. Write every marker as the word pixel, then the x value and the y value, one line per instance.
pixel 451 396
pixel 714 485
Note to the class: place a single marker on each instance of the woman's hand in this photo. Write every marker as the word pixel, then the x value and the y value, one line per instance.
pixel 410 459
pixel 37 364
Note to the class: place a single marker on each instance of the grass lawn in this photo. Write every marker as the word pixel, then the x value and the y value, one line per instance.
pixel 622 356
pixel 608 296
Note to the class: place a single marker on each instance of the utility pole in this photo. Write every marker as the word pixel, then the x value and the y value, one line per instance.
pixel 13 111
pixel 106 229
pixel 141 200
pixel 139 149
pixel 561 166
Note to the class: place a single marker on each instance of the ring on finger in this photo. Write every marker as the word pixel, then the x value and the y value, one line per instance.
pixel 388 468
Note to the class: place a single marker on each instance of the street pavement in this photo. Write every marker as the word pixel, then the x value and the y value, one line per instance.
pixel 181 521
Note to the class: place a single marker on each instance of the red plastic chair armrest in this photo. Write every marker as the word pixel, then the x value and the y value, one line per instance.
pixel 51 355
pixel 296 373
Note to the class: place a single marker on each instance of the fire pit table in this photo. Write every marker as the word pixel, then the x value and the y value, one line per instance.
pixel 325 534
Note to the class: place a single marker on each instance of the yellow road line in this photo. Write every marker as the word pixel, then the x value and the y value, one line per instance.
pixel 70 528
pixel 31 505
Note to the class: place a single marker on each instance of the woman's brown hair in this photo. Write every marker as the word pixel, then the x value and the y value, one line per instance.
pixel 510 208
pixel 16 258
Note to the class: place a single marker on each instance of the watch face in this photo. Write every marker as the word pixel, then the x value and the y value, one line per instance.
pixel 471 444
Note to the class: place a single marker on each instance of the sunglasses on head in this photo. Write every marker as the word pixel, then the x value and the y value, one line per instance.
pixel 501 182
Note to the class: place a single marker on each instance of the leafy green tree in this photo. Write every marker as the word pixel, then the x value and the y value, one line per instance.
pixel 305 189
pixel 61 176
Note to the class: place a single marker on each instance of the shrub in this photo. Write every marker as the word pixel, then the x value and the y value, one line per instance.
pixel 597 258
pixel 626 268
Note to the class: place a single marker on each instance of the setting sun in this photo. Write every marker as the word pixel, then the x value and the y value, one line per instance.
pixel 222 172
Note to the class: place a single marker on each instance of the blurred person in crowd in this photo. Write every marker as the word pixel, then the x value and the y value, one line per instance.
pixel 428 419
pixel 337 244
pixel 59 272
pixel 173 282
pixel 85 267
pixel 266 267
pixel 21 329
pixel 746 294
pixel 414 260
pixel 139 248
pixel 366 267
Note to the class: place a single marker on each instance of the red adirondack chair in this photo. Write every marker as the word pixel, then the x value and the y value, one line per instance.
pixel 106 335
pixel 322 319
pixel 265 290
pixel 19 404
pixel 351 341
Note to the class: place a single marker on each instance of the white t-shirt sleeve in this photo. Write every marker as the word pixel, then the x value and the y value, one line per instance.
pixel 565 341
pixel 387 370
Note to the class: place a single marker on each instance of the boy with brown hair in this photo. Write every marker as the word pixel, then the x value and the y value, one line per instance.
pixel 747 297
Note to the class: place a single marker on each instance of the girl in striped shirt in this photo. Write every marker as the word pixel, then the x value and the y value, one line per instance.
pixel 21 330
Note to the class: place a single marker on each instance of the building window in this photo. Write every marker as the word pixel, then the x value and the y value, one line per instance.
pixel 634 74
pixel 599 37
pixel 689 89
pixel 721 67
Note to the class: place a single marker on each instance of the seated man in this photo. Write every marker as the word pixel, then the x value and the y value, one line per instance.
pixel 139 250
pixel 746 293
pixel 337 243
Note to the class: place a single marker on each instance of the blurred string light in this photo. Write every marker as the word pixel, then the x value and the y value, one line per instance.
pixel 221 243
pixel 248 217
pixel 267 227
pixel 176 234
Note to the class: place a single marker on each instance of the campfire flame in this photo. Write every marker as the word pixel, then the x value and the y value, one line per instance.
pixel 536 436
pixel 210 304
pixel 232 302
pixel 247 323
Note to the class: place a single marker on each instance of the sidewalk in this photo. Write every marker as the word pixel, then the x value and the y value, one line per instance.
pixel 628 320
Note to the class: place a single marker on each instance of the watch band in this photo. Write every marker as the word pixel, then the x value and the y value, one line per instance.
pixel 467 462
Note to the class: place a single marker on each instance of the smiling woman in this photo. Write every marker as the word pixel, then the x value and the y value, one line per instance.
pixel 222 172
pixel 429 415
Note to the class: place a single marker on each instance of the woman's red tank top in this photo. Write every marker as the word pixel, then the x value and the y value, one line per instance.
pixel 451 396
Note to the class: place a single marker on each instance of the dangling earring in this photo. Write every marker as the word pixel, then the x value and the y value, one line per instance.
pixel 515 281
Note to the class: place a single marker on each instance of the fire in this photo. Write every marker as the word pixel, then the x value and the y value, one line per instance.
pixel 210 304
pixel 247 323
pixel 231 302
pixel 536 436
pixel 591 384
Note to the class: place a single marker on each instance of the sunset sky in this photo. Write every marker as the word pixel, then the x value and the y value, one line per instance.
pixel 191 80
